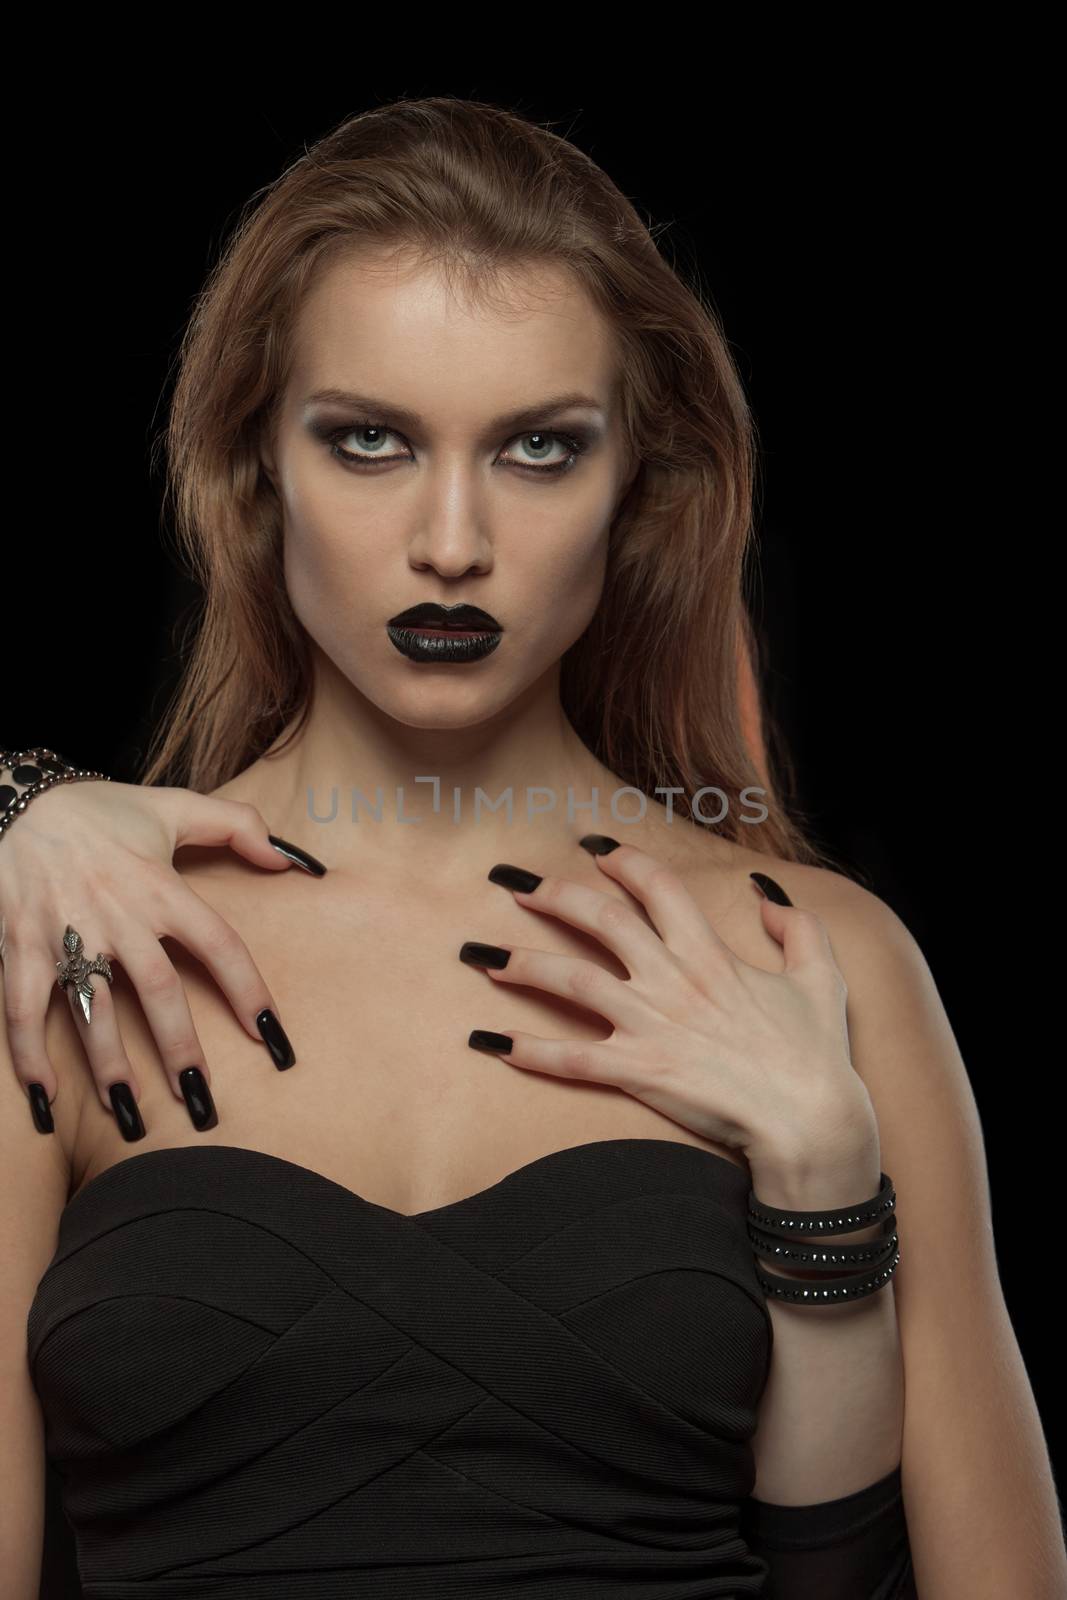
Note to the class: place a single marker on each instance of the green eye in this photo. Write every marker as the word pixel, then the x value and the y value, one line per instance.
pixel 573 446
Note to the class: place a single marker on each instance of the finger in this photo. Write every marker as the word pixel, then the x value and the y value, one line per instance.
pixel 208 936
pixel 28 980
pixel 583 1059
pixel 568 976
pixel 162 997
pixel 803 935
pixel 116 1082
pixel 205 821
pixel 603 916
pixel 681 924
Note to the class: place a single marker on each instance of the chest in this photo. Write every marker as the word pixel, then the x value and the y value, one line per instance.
pixel 386 1096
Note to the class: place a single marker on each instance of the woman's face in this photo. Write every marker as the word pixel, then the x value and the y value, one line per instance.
pixel 423 492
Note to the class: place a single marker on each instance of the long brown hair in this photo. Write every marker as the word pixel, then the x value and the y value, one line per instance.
pixel 479 192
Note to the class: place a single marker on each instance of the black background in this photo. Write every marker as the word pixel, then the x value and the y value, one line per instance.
pixel 871 241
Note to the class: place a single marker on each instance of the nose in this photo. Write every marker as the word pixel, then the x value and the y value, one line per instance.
pixel 451 533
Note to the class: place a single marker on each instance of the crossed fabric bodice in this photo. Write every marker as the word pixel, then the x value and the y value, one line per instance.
pixel 258 1384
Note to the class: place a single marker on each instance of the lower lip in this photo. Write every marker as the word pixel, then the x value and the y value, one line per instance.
pixel 442 645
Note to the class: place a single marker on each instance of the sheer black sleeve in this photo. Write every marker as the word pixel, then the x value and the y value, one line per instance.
pixel 855 1548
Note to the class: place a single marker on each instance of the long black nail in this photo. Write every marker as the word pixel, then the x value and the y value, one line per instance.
pixel 484 955
pixel 514 878
pixel 197 1095
pixel 598 844
pixel 772 890
pixel 482 1039
pixel 301 857
pixel 126 1113
pixel 274 1037
pixel 40 1109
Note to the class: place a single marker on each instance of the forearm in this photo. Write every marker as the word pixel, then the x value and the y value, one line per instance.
pixel 832 1414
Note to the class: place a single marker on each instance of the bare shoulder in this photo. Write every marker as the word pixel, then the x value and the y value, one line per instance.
pixel 718 874
pixel 892 996
pixel 886 974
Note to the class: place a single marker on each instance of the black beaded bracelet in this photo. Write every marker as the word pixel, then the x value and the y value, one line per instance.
pixel 34 771
pixel 793 1237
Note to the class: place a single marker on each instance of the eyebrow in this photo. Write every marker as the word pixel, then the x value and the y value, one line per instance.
pixel 403 418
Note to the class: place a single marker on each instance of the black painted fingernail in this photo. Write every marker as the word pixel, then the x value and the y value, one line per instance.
pixel 197 1096
pixel 514 878
pixel 127 1115
pixel 40 1109
pixel 772 890
pixel 482 1039
pixel 301 857
pixel 484 955
pixel 598 844
pixel 275 1039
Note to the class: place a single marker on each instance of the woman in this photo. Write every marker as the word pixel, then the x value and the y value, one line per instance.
pixel 468 1295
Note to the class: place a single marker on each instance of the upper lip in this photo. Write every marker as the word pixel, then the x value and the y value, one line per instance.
pixel 429 614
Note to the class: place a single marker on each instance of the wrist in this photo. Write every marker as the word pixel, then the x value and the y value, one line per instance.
pixel 834 1145
pixel 846 1177
pixel 811 1186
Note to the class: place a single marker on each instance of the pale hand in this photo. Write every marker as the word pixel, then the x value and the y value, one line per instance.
pixel 100 856
pixel 754 1060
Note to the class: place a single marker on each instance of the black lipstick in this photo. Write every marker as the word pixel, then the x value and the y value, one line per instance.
pixel 432 632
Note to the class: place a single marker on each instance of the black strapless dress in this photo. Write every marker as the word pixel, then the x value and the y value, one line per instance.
pixel 258 1385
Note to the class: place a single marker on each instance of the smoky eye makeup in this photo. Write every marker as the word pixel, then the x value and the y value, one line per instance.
pixel 573 439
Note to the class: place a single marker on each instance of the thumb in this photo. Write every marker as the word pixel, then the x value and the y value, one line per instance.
pixel 772 891
pixel 802 935
pixel 775 919
pixel 203 820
